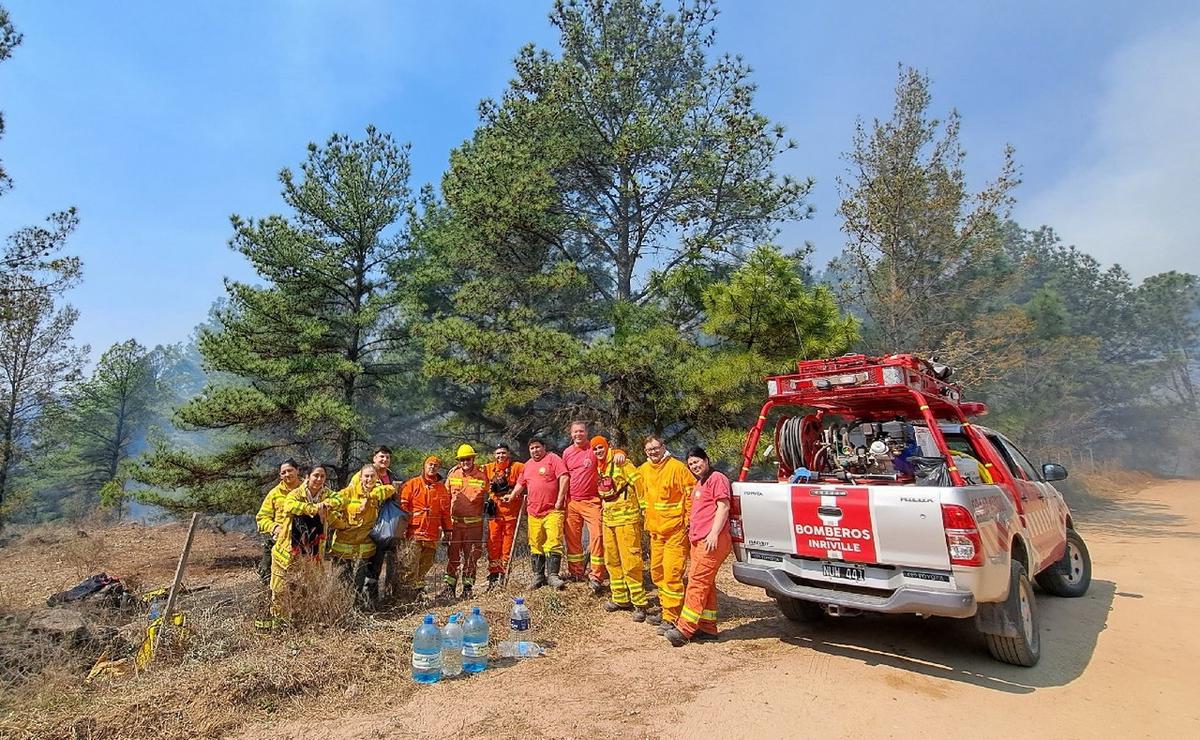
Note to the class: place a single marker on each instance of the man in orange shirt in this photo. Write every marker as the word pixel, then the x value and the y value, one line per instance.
pixel 427 503
pixel 504 508
pixel 468 489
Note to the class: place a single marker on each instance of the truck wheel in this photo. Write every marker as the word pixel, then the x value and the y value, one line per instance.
pixel 1072 575
pixel 799 610
pixel 1020 612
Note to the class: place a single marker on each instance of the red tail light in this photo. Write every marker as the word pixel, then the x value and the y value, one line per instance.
pixel 962 536
pixel 735 519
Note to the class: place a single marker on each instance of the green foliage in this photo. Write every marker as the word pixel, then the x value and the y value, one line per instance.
pixel 921 250
pixel 601 196
pixel 299 363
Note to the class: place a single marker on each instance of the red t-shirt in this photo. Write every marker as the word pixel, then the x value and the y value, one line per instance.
pixel 540 478
pixel 704 504
pixel 581 464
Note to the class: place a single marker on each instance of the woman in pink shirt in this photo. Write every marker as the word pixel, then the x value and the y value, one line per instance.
pixel 708 533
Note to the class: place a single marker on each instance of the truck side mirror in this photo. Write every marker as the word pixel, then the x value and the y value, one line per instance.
pixel 1053 472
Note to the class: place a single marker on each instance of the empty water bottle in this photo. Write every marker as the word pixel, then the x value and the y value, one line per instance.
pixel 518 620
pixel 452 647
pixel 475 642
pixel 522 649
pixel 427 652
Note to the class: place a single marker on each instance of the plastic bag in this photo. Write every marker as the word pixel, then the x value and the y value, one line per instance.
pixel 390 524
pixel 930 471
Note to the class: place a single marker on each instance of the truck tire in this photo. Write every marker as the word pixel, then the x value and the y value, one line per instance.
pixel 799 610
pixel 1071 576
pixel 1025 646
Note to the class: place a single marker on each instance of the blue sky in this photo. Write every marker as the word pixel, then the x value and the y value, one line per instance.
pixel 159 120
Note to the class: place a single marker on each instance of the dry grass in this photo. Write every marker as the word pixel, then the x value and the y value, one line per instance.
pixel 228 676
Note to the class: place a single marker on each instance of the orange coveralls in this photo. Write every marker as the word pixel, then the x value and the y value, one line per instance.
pixel 503 526
pixel 428 505
pixel 467 493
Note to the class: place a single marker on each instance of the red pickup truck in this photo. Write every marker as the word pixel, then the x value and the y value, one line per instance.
pixel 888 498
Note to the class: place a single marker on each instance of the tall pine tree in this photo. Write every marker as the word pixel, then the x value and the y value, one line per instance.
pixel 298 362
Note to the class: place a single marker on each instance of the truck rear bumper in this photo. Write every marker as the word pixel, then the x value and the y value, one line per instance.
pixel 906 600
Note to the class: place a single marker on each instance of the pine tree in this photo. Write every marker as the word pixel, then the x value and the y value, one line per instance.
pixel 298 362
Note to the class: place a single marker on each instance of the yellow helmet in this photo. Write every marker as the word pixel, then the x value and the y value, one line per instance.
pixel 465 451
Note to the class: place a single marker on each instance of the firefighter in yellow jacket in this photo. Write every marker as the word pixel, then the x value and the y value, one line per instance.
pixel 301 532
pixel 270 514
pixel 352 518
pixel 667 502
pixel 621 525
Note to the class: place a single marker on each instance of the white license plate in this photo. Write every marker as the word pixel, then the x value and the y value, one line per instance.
pixel 844 572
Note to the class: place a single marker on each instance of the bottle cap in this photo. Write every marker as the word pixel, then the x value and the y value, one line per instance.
pixel 519 600
pixel 428 619
pixel 474 610
pixel 453 618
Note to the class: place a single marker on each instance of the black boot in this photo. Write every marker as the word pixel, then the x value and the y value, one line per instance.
pixel 553 563
pixel 538 562
pixel 493 581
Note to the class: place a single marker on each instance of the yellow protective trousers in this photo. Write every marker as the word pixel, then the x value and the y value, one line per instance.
pixel 668 560
pixel 418 564
pixel 546 533
pixel 623 558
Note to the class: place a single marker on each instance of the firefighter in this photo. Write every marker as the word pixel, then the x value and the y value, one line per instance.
pixel 666 502
pixel 618 488
pixel 427 503
pixel 708 533
pixel 583 509
pixel 301 532
pixel 468 488
pixel 503 510
pixel 270 514
pixel 352 519
pixel 545 479
pixel 382 460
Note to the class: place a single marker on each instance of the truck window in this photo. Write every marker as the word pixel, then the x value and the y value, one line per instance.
pixel 1013 459
pixel 1027 467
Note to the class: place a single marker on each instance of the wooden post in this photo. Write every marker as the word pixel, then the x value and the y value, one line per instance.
pixel 513 547
pixel 179 569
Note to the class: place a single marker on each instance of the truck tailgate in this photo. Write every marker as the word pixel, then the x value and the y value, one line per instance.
pixel 890 525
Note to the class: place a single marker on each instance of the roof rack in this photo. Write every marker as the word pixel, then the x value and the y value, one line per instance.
pixel 874 388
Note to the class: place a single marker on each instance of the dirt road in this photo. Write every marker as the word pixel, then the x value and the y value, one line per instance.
pixel 1124 661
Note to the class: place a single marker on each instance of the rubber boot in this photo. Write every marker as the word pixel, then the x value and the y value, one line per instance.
pixel 538 564
pixel 639 613
pixel 467 591
pixel 493 581
pixel 553 563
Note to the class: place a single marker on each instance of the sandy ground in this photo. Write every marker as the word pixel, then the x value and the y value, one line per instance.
pixel 1124 661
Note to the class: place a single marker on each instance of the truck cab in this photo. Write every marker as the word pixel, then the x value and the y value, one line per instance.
pixel 888 498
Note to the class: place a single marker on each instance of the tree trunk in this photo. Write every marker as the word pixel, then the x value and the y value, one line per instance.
pixel 6 450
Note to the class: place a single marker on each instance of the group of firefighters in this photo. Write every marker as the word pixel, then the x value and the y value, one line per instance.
pixel 682 506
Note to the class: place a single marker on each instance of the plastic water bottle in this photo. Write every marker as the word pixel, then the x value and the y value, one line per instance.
pixel 522 649
pixel 427 652
pixel 475 642
pixel 518 620
pixel 452 647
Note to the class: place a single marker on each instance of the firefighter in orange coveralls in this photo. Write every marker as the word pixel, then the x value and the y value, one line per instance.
pixel 427 503
pixel 666 503
pixel 270 514
pixel 468 489
pixel 300 534
pixel 503 509
pixel 708 533
pixel 622 530
pixel 352 519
